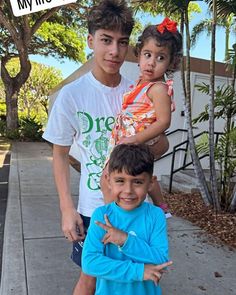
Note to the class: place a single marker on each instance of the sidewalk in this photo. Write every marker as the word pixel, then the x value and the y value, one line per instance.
pixel 4 173
pixel 36 255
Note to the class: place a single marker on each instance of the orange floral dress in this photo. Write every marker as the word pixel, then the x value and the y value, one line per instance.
pixel 136 114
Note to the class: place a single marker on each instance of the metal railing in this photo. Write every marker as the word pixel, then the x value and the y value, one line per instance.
pixel 178 147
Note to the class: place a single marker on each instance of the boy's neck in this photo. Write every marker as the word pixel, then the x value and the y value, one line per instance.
pixel 110 80
pixel 118 205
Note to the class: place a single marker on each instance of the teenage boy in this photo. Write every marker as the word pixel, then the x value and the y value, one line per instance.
pixel 127 239
pixel 84 112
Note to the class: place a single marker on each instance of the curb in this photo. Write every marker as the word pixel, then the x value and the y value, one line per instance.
pixel 13 279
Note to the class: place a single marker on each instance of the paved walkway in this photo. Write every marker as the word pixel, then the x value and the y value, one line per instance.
pixel 36 255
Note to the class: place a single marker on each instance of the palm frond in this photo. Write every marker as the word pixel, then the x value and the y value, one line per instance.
pixel 203 87
pixel 202 144
pixel 203 26
pixel 224 7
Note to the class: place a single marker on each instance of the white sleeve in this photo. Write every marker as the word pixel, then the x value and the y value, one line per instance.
pixel 62 123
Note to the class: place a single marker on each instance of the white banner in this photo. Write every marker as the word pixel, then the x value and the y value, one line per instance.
pixel 22 7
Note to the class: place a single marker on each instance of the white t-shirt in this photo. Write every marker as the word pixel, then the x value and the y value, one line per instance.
pixel 85 111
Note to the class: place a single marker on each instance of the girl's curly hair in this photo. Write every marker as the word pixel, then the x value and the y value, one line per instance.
pixel 172 40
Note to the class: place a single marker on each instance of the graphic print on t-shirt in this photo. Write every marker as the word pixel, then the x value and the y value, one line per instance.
pixel 97 147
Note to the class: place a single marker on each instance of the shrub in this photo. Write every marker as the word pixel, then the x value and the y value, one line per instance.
pixel 30 129
pixel 13 134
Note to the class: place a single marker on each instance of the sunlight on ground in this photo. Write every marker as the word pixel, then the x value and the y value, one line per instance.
pixel 5 146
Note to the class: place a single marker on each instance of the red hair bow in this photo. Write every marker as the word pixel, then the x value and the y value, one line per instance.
pixel 167 24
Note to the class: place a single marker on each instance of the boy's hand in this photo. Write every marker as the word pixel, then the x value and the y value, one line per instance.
pixel 153 272
pixel 113 235
pixel 72 225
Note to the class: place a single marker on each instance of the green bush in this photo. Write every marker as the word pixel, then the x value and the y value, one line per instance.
pixel 30 129
pixel 14 134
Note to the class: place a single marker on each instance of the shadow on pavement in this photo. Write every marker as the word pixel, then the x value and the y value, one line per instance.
pixel 4 175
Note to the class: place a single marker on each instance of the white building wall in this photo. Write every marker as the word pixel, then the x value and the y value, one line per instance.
pixel 199 100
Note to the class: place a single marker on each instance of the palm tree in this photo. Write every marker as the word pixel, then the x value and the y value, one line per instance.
pixel 225 9
pixel 217 8
pixel 196 162
pixel 215 196
pixel 232 54
pixel 205 26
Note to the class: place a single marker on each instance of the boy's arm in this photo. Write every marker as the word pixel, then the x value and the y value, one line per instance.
pixel 71 219
pixel 96 263
pixel 155 251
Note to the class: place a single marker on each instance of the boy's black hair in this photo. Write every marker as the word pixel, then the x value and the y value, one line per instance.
pixel 112 15
pixel 134 159
pixel 169 39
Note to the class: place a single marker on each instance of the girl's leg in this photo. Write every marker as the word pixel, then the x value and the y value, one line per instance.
pixel 158 149
pixel 157 198
pixel 156 194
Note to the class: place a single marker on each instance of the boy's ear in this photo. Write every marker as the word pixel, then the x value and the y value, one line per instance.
pixel 108 180
pixel 90 41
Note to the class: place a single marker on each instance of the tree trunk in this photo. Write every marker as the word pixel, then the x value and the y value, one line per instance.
pixel 12 87
pixel 11 108
pixel 227 34
pixel 182 64
pixel 232 205
pixel 213 178
pixel 196 162
pixel 226 168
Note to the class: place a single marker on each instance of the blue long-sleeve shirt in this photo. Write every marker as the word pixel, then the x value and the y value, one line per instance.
pixel 120 270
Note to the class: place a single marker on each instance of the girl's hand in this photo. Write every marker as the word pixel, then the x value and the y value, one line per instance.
pixel 113 235
pixel 129 140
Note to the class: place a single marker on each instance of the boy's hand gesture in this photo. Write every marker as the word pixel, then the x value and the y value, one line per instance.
pixel 113 235
pixel 153 272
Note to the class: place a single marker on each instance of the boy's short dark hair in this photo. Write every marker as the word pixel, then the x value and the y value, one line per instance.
pixel 112 15
pixel 134 159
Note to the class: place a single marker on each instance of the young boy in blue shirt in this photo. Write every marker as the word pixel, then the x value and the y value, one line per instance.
pixel 126 247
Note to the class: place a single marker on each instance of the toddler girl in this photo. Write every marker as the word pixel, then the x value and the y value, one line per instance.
pixel 146 109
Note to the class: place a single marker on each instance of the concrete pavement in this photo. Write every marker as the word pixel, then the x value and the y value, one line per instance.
pixel 36 255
